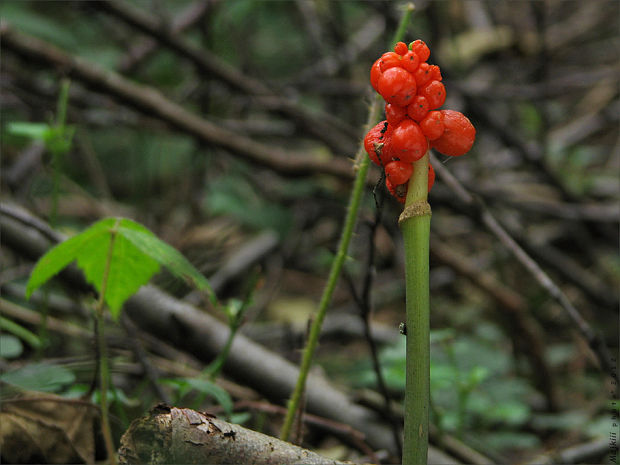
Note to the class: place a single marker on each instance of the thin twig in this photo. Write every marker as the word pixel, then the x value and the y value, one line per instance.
pixel 594 340
pixel 140 52
pixel 337 135
pixel 526 330
pixel 363 301
pixel 153 103
pixel 149 369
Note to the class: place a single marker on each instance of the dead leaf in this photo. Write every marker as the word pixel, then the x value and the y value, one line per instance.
pixel 43 428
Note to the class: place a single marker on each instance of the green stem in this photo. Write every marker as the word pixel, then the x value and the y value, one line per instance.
pixel 361 164
pixel 61 106
pixel 21 332
pixel 415 228
pixel 404 22
pixel 315 329
pixel 215 367
pixel 103 356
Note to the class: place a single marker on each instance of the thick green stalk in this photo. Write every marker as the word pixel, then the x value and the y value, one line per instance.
pixel 415 226
pixel 104 371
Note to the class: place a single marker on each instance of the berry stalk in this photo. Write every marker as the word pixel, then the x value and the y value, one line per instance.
pixel 399 145
pixel 415 226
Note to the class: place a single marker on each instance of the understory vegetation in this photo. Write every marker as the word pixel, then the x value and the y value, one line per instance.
pixel 228 132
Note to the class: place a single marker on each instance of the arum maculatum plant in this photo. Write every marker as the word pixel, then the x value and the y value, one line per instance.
pixel 413 92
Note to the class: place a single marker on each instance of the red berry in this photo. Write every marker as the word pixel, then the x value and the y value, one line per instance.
pixel 432 125
pixel 422 74
pixel 408 142
pixel 399 191
pixel 418 109
pixel 435 93
pixel 375 74
pixel 397 86
pixel 435 73
pixel 390 60
pixel 398 172
pixel 420 49
pixel 410 62
pixel 374 142
pixel 431 176
pixel 458 135
pixel 401 48
pixel 395 114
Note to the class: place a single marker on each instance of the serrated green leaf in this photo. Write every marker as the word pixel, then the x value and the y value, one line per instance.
pixel 65 253
pixel 135 257
pixel 129 268
pixel 165 255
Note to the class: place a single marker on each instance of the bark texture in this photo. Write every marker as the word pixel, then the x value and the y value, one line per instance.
pixel 170 435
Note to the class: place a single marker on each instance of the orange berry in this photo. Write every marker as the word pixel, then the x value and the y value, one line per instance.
pixel 398 172
pixel 401 48
pixel 432 125
pixel 397 86
pixel 458 135
pixel 408 142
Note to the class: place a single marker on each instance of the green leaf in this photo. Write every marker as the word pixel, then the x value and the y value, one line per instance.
pixel 136 255
pixel 10 346
pixel 129 268
pixel 39 377
pixel 36 131
pixel 65 253
pixel 20 331
pixel 165 255
pixel 207 387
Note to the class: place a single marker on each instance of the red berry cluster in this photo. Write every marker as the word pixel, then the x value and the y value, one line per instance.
pixel 413 92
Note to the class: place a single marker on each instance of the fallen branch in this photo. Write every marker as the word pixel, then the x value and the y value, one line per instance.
pixel 337 135
pixel 200 334
pixel 138 53
pixel 153 103
pixel 170 435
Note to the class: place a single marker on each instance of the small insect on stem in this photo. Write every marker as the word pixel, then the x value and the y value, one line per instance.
pixel 402 328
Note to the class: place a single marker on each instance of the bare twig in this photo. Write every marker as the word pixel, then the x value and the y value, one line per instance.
pixel 363 301
pixel 196 332
pixel 140 52
pixel 594 340
pixel 527 332
pixel 589 452
pixel 330 65
pixel 341 429
pixel 149 369
pixel 151 102
pixel 327 128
